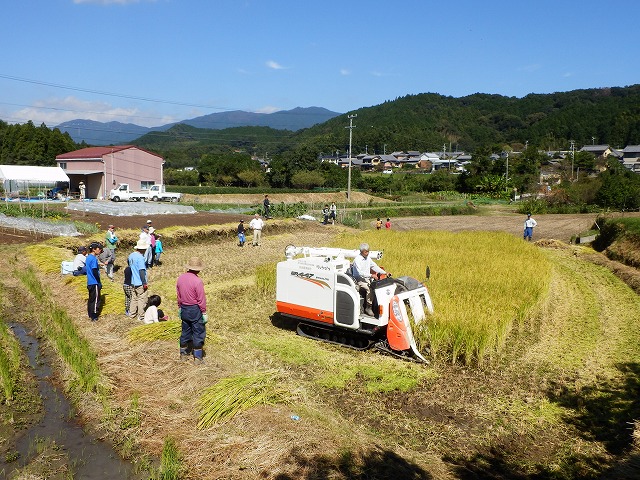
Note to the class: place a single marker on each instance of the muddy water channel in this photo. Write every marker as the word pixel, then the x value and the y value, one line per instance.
pixel 88 457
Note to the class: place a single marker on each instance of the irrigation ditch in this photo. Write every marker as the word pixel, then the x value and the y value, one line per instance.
pixel 57 444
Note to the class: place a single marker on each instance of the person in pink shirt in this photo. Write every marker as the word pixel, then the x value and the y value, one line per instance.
pixel 192 310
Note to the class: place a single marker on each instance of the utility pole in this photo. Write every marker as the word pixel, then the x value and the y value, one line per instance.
pixel 506 178
pixel 573 155
pixel 444 154
pixel 350 127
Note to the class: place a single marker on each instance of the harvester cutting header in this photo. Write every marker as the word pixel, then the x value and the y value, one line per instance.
pixel 320 288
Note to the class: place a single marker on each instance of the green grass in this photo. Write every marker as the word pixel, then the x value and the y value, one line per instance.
pixel 171 461
pixel 337 368
pixel 74 349
pixel 631 224
pixel 10 354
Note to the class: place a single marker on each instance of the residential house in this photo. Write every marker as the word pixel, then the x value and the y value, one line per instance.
pixel 631 157
pixel 427 160
pixel 602 151
pixel 104 168
pixel 389 161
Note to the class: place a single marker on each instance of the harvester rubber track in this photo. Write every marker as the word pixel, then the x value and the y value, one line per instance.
pixel 338 337
pixel 406 355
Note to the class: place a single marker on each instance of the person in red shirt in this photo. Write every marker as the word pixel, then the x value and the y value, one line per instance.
pixel 387 225
pixel 192 310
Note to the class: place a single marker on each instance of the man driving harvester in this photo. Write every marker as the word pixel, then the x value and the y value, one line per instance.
pixel 362 268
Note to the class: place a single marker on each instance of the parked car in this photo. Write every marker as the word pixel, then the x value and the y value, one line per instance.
pixel 388 171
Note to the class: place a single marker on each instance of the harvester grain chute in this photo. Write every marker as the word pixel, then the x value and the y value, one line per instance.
pixel 314 288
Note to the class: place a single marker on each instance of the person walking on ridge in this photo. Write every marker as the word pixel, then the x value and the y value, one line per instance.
pixel 266 205
pixel 529 225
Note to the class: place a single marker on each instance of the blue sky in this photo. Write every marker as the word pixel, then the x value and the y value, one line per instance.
pixel 151 62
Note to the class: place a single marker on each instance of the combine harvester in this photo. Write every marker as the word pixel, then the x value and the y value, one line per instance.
pixel 314 288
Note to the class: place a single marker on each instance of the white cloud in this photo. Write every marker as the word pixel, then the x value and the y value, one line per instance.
pixel 274 65
pixel 268 109
pixel 567 74
pixel 54 111
pixel 344 71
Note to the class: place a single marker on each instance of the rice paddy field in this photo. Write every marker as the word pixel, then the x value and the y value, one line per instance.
pixel 534 359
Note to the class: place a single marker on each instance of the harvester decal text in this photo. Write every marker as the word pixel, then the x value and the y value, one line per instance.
pixel 309 278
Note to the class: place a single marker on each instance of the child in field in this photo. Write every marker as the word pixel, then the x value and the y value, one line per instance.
pixel 127 286
pixel 388 224
pixel 158 249
pixel 378 224
pixel 152 313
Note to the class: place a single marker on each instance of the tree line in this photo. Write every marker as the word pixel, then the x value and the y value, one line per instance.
pixel 26 144
pixel 480 123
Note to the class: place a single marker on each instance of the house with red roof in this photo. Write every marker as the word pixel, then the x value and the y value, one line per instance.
pixel 104 168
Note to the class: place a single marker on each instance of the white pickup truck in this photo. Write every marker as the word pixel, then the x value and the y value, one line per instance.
pixel 156 192
pixel 123 194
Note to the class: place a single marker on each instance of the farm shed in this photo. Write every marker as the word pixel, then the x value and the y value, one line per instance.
pixel 103 168
pixel 20 177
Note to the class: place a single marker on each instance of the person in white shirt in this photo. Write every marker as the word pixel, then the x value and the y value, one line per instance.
pixel 153 314
pixel 332 213
pixel 256 224
pixel 362 268
pixel 529 223
pixel 79 262
pixel 145 236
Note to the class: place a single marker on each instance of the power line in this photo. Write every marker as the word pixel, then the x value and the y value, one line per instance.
pixel 112 94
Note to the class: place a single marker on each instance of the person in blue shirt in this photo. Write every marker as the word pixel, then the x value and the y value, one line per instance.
pixel 138 280
pixel 159 250
pixel 94 285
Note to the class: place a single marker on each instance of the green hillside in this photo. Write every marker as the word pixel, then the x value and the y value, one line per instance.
pixel 428 121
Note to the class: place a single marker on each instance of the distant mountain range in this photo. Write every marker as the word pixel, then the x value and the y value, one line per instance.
pixel 113 133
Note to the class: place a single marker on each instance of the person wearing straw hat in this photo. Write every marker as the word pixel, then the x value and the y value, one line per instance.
pixel 145 236
pixel 192 310
pixel 138 280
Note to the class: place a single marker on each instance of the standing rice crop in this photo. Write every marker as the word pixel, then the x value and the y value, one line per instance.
pixel 477 295
pixel 266 279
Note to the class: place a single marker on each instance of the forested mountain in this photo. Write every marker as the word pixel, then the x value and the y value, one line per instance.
pixel 30 145
pixel 426 122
